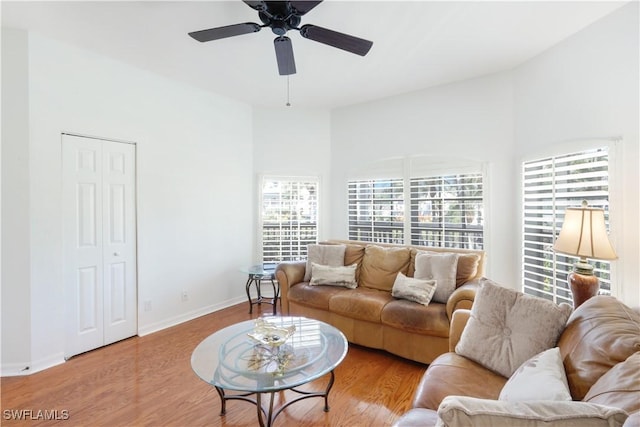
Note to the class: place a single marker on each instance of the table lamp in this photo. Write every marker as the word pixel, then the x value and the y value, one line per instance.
pixel 584 234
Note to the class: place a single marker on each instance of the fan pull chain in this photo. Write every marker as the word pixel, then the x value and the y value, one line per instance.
pixel 288 104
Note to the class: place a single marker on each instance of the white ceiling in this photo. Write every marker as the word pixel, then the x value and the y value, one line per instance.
pixel 416 44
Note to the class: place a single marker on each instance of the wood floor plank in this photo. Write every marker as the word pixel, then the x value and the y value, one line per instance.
pixel 148 381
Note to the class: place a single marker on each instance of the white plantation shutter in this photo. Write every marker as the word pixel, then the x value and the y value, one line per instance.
pixel 376 210
pixel 551 185
pixel 447 211
pixel 289 217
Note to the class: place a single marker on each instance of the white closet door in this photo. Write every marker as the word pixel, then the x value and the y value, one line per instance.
pixel 119 241
pixel 99 242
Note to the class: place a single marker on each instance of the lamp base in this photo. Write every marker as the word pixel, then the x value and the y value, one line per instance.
pixel 583 287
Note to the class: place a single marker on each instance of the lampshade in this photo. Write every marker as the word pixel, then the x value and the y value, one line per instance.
pixel 584 234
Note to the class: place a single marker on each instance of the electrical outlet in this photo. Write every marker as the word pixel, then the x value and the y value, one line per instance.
pixel 185 296
pixel 147 306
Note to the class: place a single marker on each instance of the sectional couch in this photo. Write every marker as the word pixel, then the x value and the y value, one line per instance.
pixel 368 314
pixel 599 352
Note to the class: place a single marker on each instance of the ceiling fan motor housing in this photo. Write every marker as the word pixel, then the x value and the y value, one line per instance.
pixel 280 24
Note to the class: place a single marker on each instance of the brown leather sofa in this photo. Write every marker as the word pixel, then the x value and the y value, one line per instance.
pixel 600 348
pixel 371 316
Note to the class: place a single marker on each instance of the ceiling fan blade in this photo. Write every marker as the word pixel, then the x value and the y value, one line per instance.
pixel 224 32
pixel 257 5
pixel 304 6
pixel 284 55
pixel 333 38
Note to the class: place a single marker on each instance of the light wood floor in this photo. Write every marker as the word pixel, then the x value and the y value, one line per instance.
pixel 148 381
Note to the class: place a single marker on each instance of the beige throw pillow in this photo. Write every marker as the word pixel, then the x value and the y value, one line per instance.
pixel 507 327
pixel 332 255
pixel 334 276
pixel 457 411
pixel 416 290
pixel 441 268
pixel 540 378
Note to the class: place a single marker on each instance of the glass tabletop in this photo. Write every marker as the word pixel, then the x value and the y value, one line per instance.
pixel 231 360
pixel 260 270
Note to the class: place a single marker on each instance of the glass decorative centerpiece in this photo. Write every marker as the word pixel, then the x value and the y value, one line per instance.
pixel 269 355
pixel 266 333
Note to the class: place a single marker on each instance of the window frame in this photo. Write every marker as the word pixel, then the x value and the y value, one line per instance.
pixel 314 179
pixel 420 167
pixel 562 149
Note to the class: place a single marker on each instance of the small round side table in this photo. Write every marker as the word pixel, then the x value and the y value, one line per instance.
pixel 258 274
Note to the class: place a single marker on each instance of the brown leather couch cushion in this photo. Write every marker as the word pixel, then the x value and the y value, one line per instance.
pixel 314 296
pixel 409 316
pixel 600 333
pixel 620 387
pixel 380 266
pixel 360 303
pixel 452 374
pixel 353 255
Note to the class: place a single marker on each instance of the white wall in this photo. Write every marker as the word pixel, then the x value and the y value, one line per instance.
pixel 16 292
pixel 467 120
pixel 587 88
pixel 292 141
pixel 195 183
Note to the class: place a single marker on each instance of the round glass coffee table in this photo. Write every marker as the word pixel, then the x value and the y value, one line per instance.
pixel 230 360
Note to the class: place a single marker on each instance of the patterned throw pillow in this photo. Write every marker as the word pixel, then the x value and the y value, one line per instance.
pixel 416 290
pixel 334 276
pixel 540 378
pixel 507 327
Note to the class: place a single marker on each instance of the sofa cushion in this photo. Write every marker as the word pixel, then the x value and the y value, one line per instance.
pixel 441 268
pixel 412 289
pixel 458 411
pixel 314 296
pixel 620 386
pixel 332 255
pixel 360 303
pixel 452 374
pixel 409 316
pixel 600 333
pixel 508 327
pixel 344 276
pixel 540 378
pixel 381 265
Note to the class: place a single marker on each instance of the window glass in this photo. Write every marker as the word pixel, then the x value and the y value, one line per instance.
pixel 289 218
pixel 550 185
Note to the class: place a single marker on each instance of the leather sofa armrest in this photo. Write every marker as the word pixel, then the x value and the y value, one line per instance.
pixel 289 274
pixel 462 297
pixel 458 322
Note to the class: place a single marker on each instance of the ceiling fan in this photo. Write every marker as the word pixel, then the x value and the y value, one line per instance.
pixel 282 16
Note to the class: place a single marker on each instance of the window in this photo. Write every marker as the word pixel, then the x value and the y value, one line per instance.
pixel 289 217
pixel 445 211
pixel 550 185
pixel 376 210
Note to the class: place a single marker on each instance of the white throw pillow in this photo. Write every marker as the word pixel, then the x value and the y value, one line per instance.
pixel 441 268
pixel 334 276
pixel 331 255
pixel 412 289
pixel 540 378
pixel 456 411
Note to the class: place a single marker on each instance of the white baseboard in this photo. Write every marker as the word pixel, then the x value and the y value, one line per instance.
pixel 28 368
pixel 185 317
